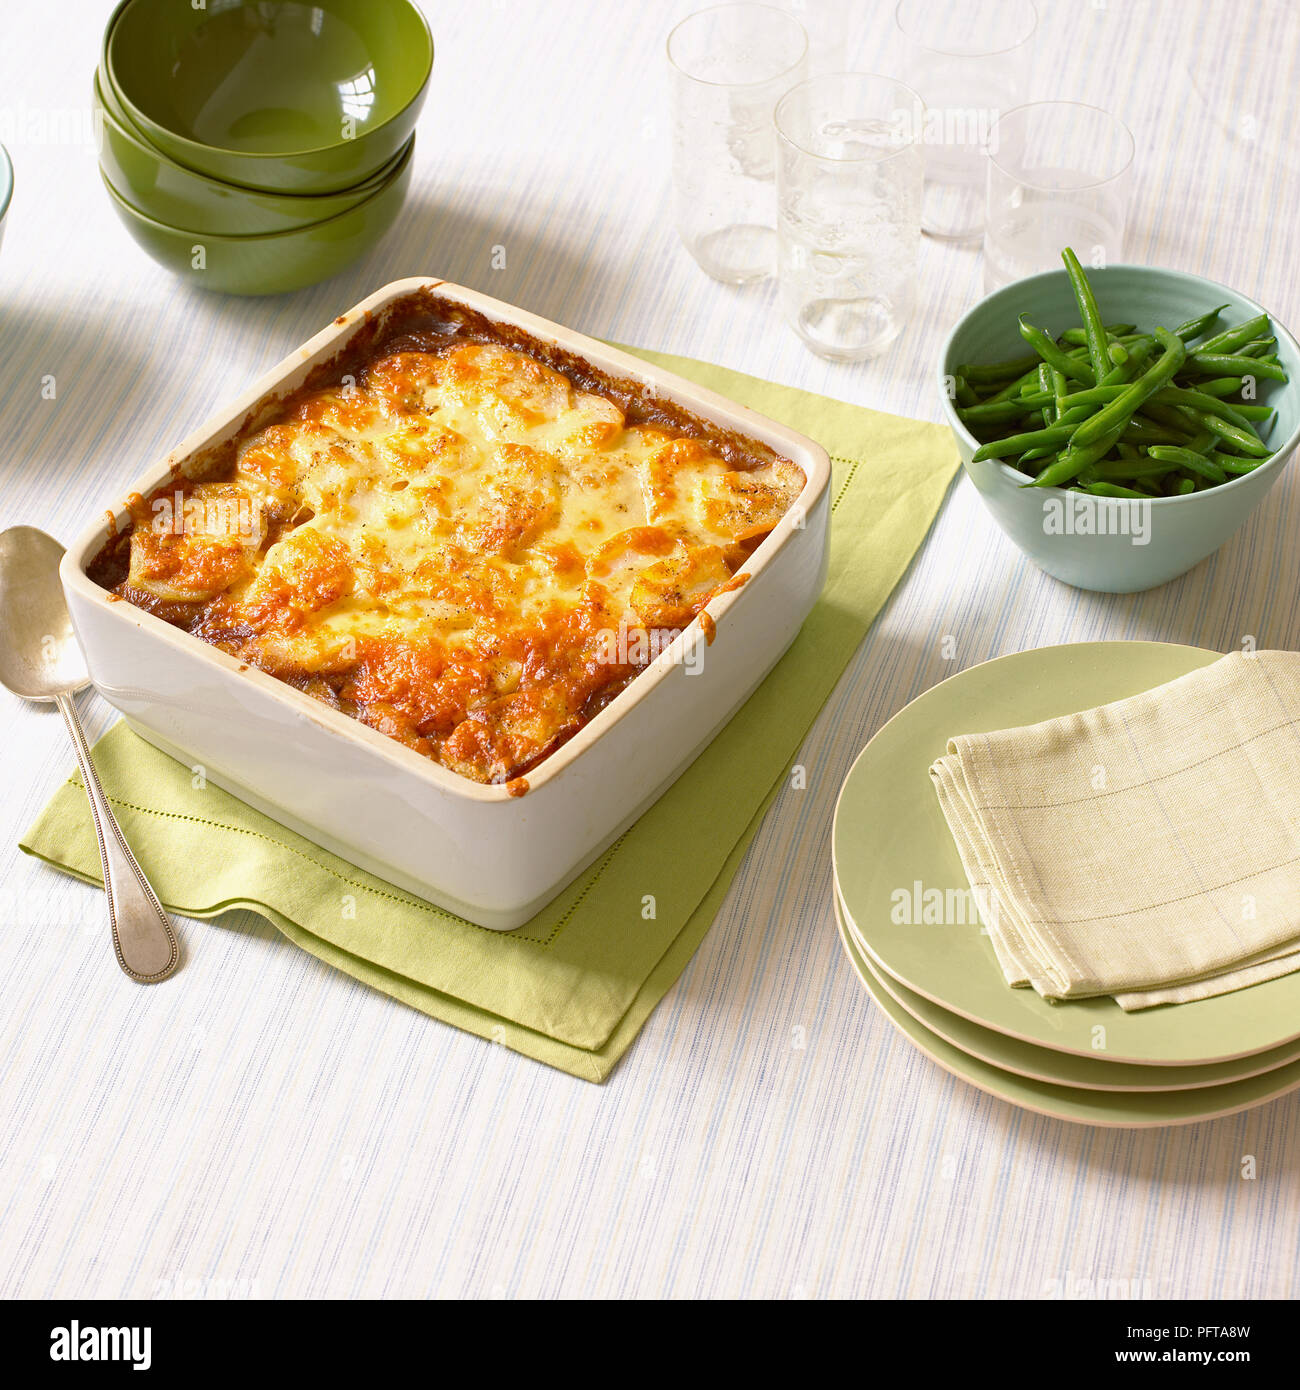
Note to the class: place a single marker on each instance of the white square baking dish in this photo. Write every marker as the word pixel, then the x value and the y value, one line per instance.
pixel 480 851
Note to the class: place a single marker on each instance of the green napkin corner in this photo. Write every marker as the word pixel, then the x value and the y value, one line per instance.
pixel 573 986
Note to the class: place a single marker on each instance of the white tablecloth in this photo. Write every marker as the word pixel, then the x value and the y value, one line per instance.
pixel 263 1125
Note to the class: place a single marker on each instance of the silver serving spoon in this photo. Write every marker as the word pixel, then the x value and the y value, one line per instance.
pixel 40 660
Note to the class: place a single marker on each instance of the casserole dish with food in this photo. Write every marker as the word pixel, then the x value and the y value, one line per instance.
pixel 454 592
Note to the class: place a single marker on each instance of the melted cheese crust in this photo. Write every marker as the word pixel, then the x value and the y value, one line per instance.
pixel 446 548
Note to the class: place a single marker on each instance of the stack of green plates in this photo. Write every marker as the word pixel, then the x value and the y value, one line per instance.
pixel 908 925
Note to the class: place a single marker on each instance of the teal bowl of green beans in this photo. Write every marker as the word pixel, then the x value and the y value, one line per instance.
pixel 1121 423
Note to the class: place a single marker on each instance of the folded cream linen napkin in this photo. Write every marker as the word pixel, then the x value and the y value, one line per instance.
pixel 1148 849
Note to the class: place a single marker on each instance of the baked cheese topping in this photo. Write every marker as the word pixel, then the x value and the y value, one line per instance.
pixel 461 549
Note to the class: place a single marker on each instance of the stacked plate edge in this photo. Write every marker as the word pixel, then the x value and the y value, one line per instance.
pixel 909 927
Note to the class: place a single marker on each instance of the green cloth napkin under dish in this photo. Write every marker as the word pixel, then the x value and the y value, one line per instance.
pixel 573 986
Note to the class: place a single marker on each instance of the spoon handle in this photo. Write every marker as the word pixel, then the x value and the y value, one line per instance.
pixel 143 939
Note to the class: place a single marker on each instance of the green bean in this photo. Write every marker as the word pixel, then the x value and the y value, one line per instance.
pixel 1061 391
pixel 1047 391
pixel 1116 377
pixel 1172 417
pixel 1098 343
pixel 1117 414
pixel 1199 400
pixel 1259 348
pixel 1054 355
pixel 1185 485
pixel 1141 431
pixel 1232 338
pixel 1221 364
pixel 1189 459
pixel 993 412
pixel 1094 395
pixel 1018 443
pixel 963 393
pixel 1114 490
pixel 1244 440
pixel 1078 337
pixel 1193 328
pixel 1219 386
pixel 1232 463
pixel 1069 464
pixel 1144 466
pixel 1236 412
pixel 997 371
pixel 1013 387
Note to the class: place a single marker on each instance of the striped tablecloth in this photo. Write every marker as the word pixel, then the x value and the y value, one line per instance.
pixel 262 1125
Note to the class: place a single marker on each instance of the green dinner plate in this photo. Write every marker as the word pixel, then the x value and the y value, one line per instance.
pixel 1065 1068
pixel 890 838
pixel 1111 1109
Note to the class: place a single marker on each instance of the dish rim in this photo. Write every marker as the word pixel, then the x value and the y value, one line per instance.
pixel 6 182
pixel 811 458
pixel 220 187
pixel 395 172
pixel 1281 454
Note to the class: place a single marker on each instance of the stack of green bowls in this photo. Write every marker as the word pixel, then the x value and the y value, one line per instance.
pixel 255 148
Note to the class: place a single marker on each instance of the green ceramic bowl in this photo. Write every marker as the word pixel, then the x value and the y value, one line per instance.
pixel 6 188
pixel 274 263
pixel 1115 545
pixel 164 191
pixel 290 97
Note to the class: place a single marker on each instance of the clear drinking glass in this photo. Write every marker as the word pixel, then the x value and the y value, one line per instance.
pixel 850 174
pixel 730 64
pixel 970 63
pixel 1058 175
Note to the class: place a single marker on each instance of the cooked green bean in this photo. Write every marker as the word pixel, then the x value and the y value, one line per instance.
pixel 1115 378
pixel 1189 459
pixel 1232 463
pixel 1078 337
pixel 1027 378
pixel 1193 328
pixel 1098 343
pixel 1053 354
pixel 1245 440
pixel 1219 386
pixel 1232 338
pixel 1114 490
pixel 1142 431
pixel 1172 417
pixel 1223 364
pixel 1201 400
pixel 1018 443
pixel 1074 460
pixel 1143 466
pixel 998 371
pixel 1117 414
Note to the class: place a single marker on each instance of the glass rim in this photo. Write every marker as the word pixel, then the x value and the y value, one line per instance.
pixel 979 53
pixel 857 159
pixel 736 5
pixel 1078 106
